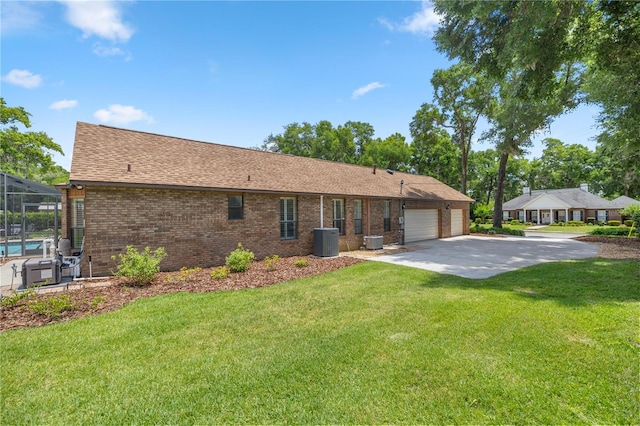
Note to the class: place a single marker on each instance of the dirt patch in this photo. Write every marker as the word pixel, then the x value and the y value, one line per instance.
pixel 615 247
pixel 99 296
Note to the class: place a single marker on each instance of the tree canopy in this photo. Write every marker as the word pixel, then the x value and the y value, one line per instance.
pixel 24 153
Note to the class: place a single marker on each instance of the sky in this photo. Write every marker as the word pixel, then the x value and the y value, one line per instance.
pixel 227 72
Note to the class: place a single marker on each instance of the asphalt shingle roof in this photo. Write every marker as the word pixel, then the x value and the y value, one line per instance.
pixel 624 201
pixel 106 155
pixel 576 198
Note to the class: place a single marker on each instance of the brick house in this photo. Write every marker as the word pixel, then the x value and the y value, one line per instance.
pixel 198 200
pixel 560 205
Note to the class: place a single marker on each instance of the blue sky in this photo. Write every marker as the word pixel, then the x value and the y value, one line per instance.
pixel 226 72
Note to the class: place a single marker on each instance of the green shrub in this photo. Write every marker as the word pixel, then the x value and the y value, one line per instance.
pixel 270 262
pixel 220 273
pixel 16 297
pixel 51 306
pixel 613 223
pixel 617 231
pixel 591 220
pixel 628 223
pixel 97 301
pixel 301 263
pixel 479 220
pixel 139 267
pixel 185 274
pixel 239 259
pixel 515 222
pixel 488 221
pixel 576 223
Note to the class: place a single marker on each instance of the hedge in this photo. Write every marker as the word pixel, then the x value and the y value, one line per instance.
pixel 616 231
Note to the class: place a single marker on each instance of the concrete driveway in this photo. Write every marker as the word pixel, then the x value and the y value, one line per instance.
pixel 482 257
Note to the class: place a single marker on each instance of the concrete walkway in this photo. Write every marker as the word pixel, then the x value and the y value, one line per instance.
pixel 482 257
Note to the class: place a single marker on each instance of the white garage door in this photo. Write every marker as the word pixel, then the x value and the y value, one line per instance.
pixel 456 222
pixel 420 225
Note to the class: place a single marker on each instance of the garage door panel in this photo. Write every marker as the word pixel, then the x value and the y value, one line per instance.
pixel 420 224
pixel 456 222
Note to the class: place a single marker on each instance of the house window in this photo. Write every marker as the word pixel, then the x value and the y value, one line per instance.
pixel 577 215
pixel 387 216
pixel 561 216
pixel 521 216
pixel 77 222
pixel 357 216
pixel 602 215
pixel 288 218
pixel 236 210
pixel 534 216
pixel 338 215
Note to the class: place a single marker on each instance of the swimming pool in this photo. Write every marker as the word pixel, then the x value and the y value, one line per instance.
pixel 15 247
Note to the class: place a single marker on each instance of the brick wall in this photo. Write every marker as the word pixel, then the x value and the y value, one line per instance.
pixel 194 228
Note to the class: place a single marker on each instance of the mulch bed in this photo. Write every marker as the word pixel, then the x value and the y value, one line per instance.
pixel 101 296
pixel 615 247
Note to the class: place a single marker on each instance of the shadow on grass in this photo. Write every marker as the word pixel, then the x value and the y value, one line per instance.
pixel 572 282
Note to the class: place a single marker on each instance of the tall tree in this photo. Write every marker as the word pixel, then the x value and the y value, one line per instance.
pixel 530 50
pixel 463 96
pixel 432 151
pixel 483 175
pixel 613 73
pixel 26 154
pixel 564 166
pixel 391 153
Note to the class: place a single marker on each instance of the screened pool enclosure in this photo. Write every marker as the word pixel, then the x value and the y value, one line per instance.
pixel 30 215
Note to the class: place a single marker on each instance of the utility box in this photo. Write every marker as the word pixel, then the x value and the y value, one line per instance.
pixel 373 242
pixel 326 242
pixel 41 271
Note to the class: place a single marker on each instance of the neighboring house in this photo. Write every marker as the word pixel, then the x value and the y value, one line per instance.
pixel 198 200
pixel 560 205
pixel 623 201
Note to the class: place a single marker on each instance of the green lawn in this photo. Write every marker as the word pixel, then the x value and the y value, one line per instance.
pixel 586 229
pixel 369 344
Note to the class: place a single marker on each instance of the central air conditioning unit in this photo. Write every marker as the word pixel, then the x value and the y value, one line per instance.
pixel 326 242
pixel 373 242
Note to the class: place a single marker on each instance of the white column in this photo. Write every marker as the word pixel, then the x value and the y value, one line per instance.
pixel 566 215
pixel 551 216
pixel 525 215
pixel 538 217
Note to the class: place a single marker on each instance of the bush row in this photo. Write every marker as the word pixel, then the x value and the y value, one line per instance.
pixel 493 231
pixel 618 231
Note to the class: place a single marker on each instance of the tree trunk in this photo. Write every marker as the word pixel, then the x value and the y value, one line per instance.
pixel 463 180
pixel 497 207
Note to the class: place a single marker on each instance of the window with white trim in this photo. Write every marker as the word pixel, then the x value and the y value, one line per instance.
pixel 77 222
pixel 338 215
pixel 288 218
pixel 357 216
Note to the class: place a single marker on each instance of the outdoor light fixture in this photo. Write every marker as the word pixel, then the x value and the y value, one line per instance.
pixel 448 206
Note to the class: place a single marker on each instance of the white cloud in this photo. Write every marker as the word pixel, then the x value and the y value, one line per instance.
pixel 100 18
pixel 64 104
pixel 23 78
pixel 366 89
pixel 122 114
pixel 105 51
pixel 17 16
pixel 424 21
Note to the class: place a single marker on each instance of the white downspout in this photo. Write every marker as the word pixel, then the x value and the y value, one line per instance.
pixel 322 211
